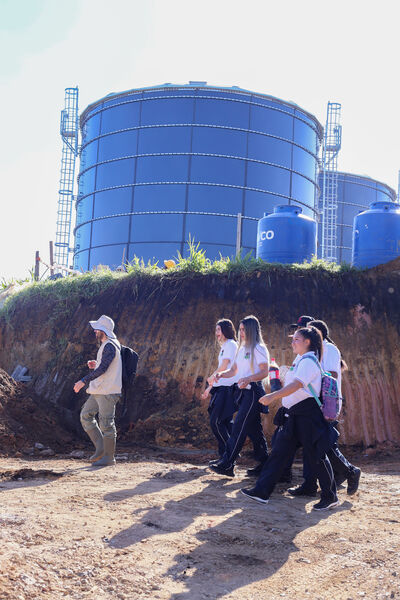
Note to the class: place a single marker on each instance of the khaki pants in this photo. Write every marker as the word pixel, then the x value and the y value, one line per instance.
pixel 104 406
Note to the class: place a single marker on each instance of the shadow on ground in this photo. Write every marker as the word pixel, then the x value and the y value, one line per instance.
pixel 230 551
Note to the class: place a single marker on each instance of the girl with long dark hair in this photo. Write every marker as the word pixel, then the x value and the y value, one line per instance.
pixel 250 367
pixel 222 404
pixel 302 423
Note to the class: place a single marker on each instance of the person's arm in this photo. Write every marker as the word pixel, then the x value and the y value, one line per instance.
pixel 259 376
pixel 223 367
pixel 228 373
pixel 108 356
pixel 288 389
pixel 306 370
pixel 206 392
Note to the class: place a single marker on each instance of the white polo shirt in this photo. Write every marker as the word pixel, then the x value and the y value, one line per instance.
pixel 296 360
pixel 228 350
pixel 243 361
pixel 331 362
pixel 307 372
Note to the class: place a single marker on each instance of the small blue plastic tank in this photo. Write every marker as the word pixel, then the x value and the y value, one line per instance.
pixel 376 235
pixel 286 236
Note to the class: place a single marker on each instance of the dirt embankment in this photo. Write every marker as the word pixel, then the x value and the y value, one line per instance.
pixel 170 321
pixel 29 425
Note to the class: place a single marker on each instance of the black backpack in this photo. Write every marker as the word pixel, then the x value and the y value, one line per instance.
pixel 129 360
pixel 129 365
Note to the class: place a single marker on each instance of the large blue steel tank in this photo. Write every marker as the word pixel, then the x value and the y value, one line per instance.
pixel 152 157
pixel 376 238
pixel 286 236
pixel 355 193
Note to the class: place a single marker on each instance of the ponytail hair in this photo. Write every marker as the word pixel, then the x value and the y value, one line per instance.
pixel 315 336
pixel 227 328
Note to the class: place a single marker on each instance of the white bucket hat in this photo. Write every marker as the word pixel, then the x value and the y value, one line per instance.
pixel 105 324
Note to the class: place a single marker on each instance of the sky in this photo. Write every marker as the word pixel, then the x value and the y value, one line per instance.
pixel 307 52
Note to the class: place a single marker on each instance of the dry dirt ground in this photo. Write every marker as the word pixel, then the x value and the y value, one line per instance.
pixel 159 528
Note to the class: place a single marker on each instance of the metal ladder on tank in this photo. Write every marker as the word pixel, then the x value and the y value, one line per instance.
pixel 328 206
pixel 69 128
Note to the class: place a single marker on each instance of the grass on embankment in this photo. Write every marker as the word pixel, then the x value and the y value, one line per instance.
pixel 67 292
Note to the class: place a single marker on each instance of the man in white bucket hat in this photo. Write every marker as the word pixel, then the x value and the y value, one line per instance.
pixel 105 384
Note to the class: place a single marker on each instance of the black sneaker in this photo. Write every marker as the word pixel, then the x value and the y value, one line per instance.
pixel 302 491
pixel 339 481
pixel 221 471
pixel 215 461
pixel 255 472
pixel 254 495
pixel 353 480
pixel 326 504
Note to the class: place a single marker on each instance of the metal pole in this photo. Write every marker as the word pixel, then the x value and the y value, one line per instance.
pixel 238 234
pixel 37 259
pixel 51 258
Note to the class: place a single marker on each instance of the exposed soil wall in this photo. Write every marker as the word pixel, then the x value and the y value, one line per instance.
pixel 28 423
pixel 170 321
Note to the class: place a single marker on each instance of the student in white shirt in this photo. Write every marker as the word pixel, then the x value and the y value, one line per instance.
pixel 303 424
pixel 222 404
pixel 343 470
pixel 250 368
pixel 287 475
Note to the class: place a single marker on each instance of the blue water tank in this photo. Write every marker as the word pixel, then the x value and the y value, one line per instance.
pixel 354 193
pixel 286 236
pixel 159 164
pixel 376 237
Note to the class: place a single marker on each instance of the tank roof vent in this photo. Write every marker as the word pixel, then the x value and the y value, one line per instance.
pixel 197 82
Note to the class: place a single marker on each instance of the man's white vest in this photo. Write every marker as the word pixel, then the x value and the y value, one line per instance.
pixel 111 381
